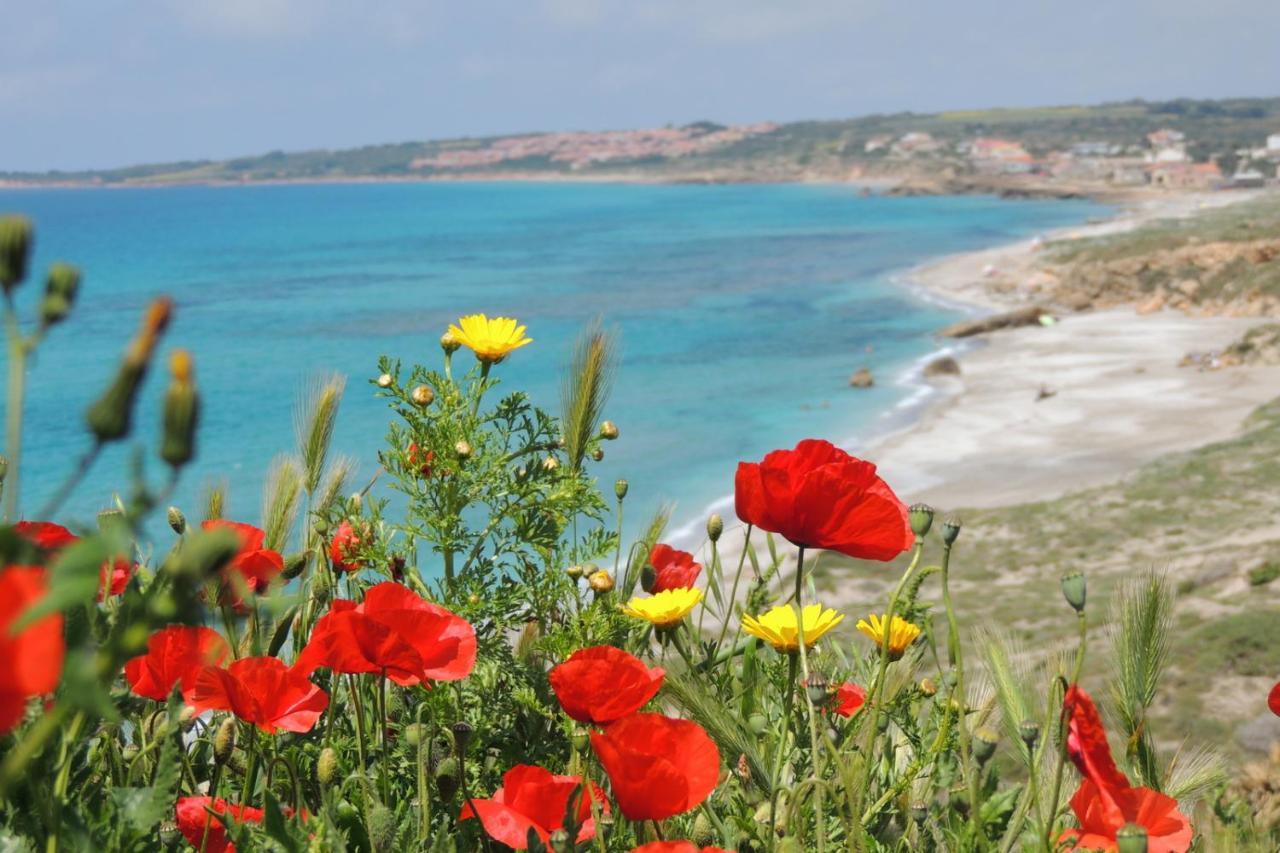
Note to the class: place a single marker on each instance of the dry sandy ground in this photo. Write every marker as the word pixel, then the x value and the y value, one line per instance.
pixel 1119 399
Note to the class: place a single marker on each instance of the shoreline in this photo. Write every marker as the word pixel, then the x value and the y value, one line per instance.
pixel 1119 400
pixel 989 439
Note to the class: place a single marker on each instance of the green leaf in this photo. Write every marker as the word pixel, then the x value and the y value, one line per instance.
pixel 140 809
pixel 276 827
pixel 996 811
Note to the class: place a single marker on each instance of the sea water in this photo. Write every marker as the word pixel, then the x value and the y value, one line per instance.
pixel 742 311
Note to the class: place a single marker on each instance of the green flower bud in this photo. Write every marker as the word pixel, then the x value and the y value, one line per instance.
pixel 950 530
pixel 170 835
pixel 295 564
pixel 819 690
pixel 559 841
pixel 574 572
pixel 327 766
pixel 449 343
pixel 1029 731
pixel 597 455
pixel 382 828
pixel 920 516
pixel 608 430
pixel 580 738
pixel 919 811
pixel 181 413
pixel 224 741
pixel 447 779
pixel 15 250
pixel 1073 589
pixel 177 520
pixel 928 686
pixel 422 396
pixel 984 744
pixel 111 415
pixel 550 463
pixel 60 289
pixel 704 833
pixel 384 380
pixel 463 449
pixel 648 577
pixel 414 733
pixel 620 489
pixel 715 527
pixel 1131 838
pixel 462 735
pixel 757 723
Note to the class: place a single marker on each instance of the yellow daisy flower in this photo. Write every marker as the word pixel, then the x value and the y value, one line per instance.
pixel 778 627
pixel 665 609
pixel 490 340
pixel 900 634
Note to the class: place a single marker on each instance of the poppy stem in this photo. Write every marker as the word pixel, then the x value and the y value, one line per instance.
pixel 733 595
pixel 775 775
pixel 424 796
pixel 1052 820
pixel 382 716
pixel 877 688
pixel 955 655
pixel 13 419
pixel 814 751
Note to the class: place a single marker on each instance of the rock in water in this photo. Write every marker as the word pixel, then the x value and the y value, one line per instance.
pixel 943 365
pixel 862 378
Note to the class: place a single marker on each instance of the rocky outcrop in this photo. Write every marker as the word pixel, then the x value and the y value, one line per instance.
pixel 942 366
pixel 1238 279
pixel 861 378
pixel 1028 316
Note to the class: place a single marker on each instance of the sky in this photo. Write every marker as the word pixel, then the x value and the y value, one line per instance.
pixel 100 83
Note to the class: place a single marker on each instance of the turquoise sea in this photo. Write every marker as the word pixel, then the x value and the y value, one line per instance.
pixel 742 310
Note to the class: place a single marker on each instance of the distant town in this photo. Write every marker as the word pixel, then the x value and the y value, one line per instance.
pixel 1104 150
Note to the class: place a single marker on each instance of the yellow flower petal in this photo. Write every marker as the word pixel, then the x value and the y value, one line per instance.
pixel 490 340
pixel 779 627
pixel 666 608
pixel 899 636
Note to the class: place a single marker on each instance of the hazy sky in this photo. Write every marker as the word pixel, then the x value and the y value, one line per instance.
pixel 89 83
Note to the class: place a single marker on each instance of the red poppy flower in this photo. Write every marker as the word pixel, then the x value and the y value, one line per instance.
pixel 1101 813
pixel 114 576
pixel 532 798
pixel 175 655
pixel 675 569
pixel 33 657
pixel 675 847
pixel 1087 741
pixel 45 534
pixel 818 496
pixel 1273 699
pixel 343 547
pixel 257 565
pixel 393 631
pixel 601 685
pixel 263 691
pixel 659 767
pixel 193 817
pixel 849 698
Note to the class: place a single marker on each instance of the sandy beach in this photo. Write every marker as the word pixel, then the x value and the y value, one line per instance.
pixel 1118 397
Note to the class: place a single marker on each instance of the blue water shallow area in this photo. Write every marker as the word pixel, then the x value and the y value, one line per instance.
pixel 742 310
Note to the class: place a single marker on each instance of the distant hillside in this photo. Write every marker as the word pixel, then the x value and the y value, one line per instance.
pixel 1008 142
